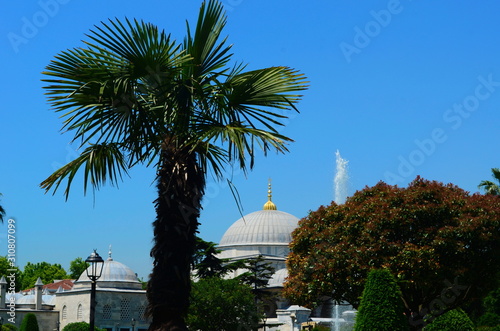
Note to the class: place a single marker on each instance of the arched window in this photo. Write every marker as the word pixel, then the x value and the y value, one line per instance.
pixel 64 313
pixel 79 312
pixel 106 312
pixel 125 310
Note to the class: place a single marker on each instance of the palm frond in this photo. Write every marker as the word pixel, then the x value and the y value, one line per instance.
pixel 490 187
pixel 209 55
pixel 2 211
pixel 100 163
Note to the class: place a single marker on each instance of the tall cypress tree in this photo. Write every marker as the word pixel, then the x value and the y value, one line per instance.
pixel 29 323
pixel 381 306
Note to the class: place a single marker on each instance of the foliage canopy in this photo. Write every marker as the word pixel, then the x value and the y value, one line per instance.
pixel 222 305
pixel 453 320
pixel 46 271
pixel 440 242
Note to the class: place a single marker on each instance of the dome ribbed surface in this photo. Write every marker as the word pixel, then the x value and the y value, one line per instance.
pixel 261 227
pixel 114 274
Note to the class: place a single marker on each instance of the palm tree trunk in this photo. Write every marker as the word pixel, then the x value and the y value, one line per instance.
pixel 181 186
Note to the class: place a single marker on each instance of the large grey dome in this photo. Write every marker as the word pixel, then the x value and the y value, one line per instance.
pixel 114 275
pixel 263 227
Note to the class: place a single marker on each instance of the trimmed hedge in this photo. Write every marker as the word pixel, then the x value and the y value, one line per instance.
pixel 80 326
pixel 381 307
pixel 453 320
pixel 29 323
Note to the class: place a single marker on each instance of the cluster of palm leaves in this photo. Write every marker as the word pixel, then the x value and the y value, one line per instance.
pixel 491 187
pixel 133 95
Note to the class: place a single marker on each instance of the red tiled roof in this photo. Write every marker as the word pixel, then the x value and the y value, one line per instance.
pixel 65 284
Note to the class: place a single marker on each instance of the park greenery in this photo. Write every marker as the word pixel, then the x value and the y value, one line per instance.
pixel 80 326
pixel 381 307
pixel 222 304
pixel 47 272
pixel 208 279
pixel 439 241
pixel 132 95
pixel 453 320
pixel 29 323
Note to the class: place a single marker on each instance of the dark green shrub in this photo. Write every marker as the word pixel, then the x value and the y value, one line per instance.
pixel 381 307
pixel 29 323
pixel 453 320
pixel 488 319
pixel 79 326
pixel 222 304
pixel 320 328
pixel 9 327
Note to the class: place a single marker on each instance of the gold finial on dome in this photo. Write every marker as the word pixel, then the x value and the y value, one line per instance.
pixel 269 205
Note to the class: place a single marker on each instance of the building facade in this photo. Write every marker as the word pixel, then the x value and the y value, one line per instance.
pixel 120 301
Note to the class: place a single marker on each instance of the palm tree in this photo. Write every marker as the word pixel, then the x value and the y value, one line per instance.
pixel 2 212
pixel 489 186
pixel 132 95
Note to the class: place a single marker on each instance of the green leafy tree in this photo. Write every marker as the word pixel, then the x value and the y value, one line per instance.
pixel 488 320
pixel 440 242
pixel 207 264
pixel 7 269
pixel 9 327
pixel 453 320
pixel 257 276
pixel 222 305
pixel 258 273
pixel 46 271
pixel 133 96
pixel 29 323
pixel 80 326
pixel 381 306
pixel 77 267
pixel 491 187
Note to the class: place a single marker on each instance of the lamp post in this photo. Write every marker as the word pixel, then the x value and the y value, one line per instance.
pixel 133 324
pixel 93 272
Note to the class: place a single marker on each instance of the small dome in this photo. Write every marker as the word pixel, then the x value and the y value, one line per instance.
pixel 29 299
pixel 114 275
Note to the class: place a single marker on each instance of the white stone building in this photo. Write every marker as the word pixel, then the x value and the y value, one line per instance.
pixel 120 302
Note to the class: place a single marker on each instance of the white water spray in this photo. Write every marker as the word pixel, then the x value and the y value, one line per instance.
pixel 340 191
pixel 341 179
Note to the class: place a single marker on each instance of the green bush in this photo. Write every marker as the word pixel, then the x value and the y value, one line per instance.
pixel 29 323
pixel 381 307
pixel 9 327
pixel 320 328
pixel 453 320
pixel 80 326
pixel 488 319
pixel 222 304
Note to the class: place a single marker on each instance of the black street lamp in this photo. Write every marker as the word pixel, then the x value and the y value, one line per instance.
pixel 133 324
pixel 94 271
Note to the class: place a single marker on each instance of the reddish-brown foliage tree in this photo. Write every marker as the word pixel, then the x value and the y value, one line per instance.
pixel 441 243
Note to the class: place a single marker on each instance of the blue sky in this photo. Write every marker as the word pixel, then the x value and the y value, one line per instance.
pixel 400 88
